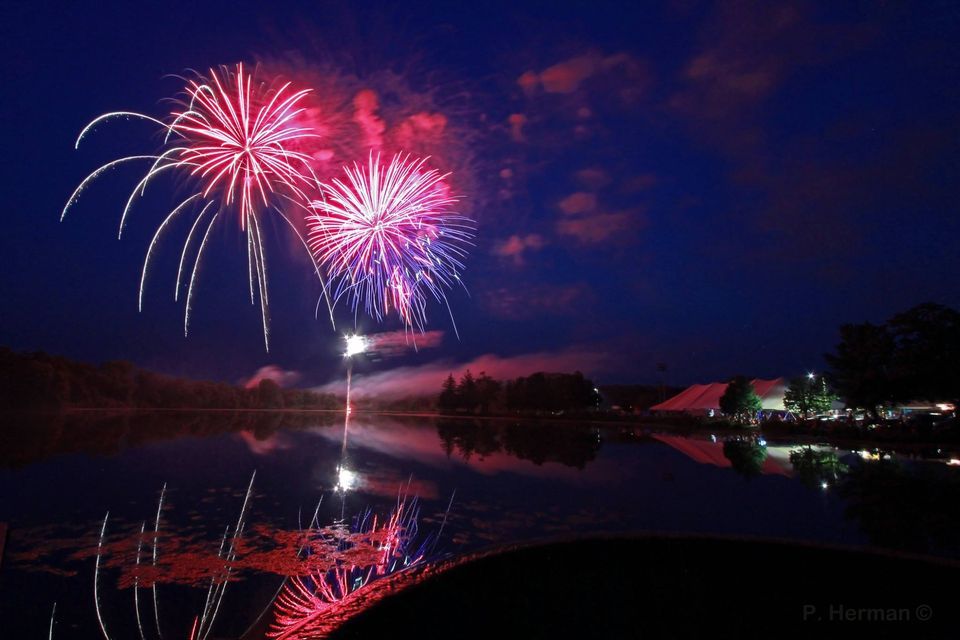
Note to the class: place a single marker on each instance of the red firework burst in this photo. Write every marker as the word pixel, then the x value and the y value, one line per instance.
pixel 239 139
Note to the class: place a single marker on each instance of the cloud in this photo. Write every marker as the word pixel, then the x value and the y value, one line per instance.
pixel 273 372
pixel 366 104
pixel 515 246
pixel 802 190
pixel 746 54
pixel 640 182
pixel 418 127
pixel 579 202
pixel 529 81
pixel 588 226
pixel 426 379
pixel 519 302
pixel 749 50
pixel 395 343
pixel 566 77
pixel 593 178
pixel 516 121
pixel 596 228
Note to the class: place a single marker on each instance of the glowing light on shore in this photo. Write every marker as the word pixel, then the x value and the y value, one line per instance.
pixel 356 344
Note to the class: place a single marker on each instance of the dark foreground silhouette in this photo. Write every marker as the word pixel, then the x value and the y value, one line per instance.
pixel 670 588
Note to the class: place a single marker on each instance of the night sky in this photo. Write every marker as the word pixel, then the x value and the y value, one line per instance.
pixel 715 187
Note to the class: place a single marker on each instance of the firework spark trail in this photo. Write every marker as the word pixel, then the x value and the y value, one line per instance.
pixel 96 577
pixel 52 615
pixel 213 580
pixel 153 242
pixel 388 238
pixel 193 278
pixel 446 514
pixel 156 535
pixel 236 139
pixel 230 557
pixel 136 581
pixel 186 247
pixel 314 523
pixel 202 625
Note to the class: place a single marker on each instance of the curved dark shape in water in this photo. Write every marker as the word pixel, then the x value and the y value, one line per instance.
pixel 666 587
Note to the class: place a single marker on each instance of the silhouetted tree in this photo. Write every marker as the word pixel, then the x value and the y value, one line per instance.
pixel 467 396
pixel 927 353
pixel 268 395
pixel 488 392
pixel 862 369
pixel 740 400
pixel 448 396
pixel 550 392
pixel 808 397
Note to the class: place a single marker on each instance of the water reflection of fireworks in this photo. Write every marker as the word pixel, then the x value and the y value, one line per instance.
pixel 202 623
pixel 370 550
pixel 325 567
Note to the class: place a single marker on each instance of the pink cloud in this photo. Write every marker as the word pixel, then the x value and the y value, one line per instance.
pixel 394 343
pixel 418 127
pixel 426 379
pixel 517 120
pixel 596 228
pixel 579 202
pixel 517 302
pixel 593 177
pixel 529 82
pixel 566 77
pixel 640 182
pixel 366 104
pixel 515 246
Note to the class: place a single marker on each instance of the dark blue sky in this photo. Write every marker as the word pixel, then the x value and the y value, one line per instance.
pixel 717 187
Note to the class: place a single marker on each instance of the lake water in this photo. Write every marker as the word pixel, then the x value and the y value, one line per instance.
pixel 463 486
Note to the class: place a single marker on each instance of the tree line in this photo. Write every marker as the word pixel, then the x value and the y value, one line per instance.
pixel 39 381
pixel 536 393
pixel 913 357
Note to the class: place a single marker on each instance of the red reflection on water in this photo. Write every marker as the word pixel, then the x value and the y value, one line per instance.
pixel 377 549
